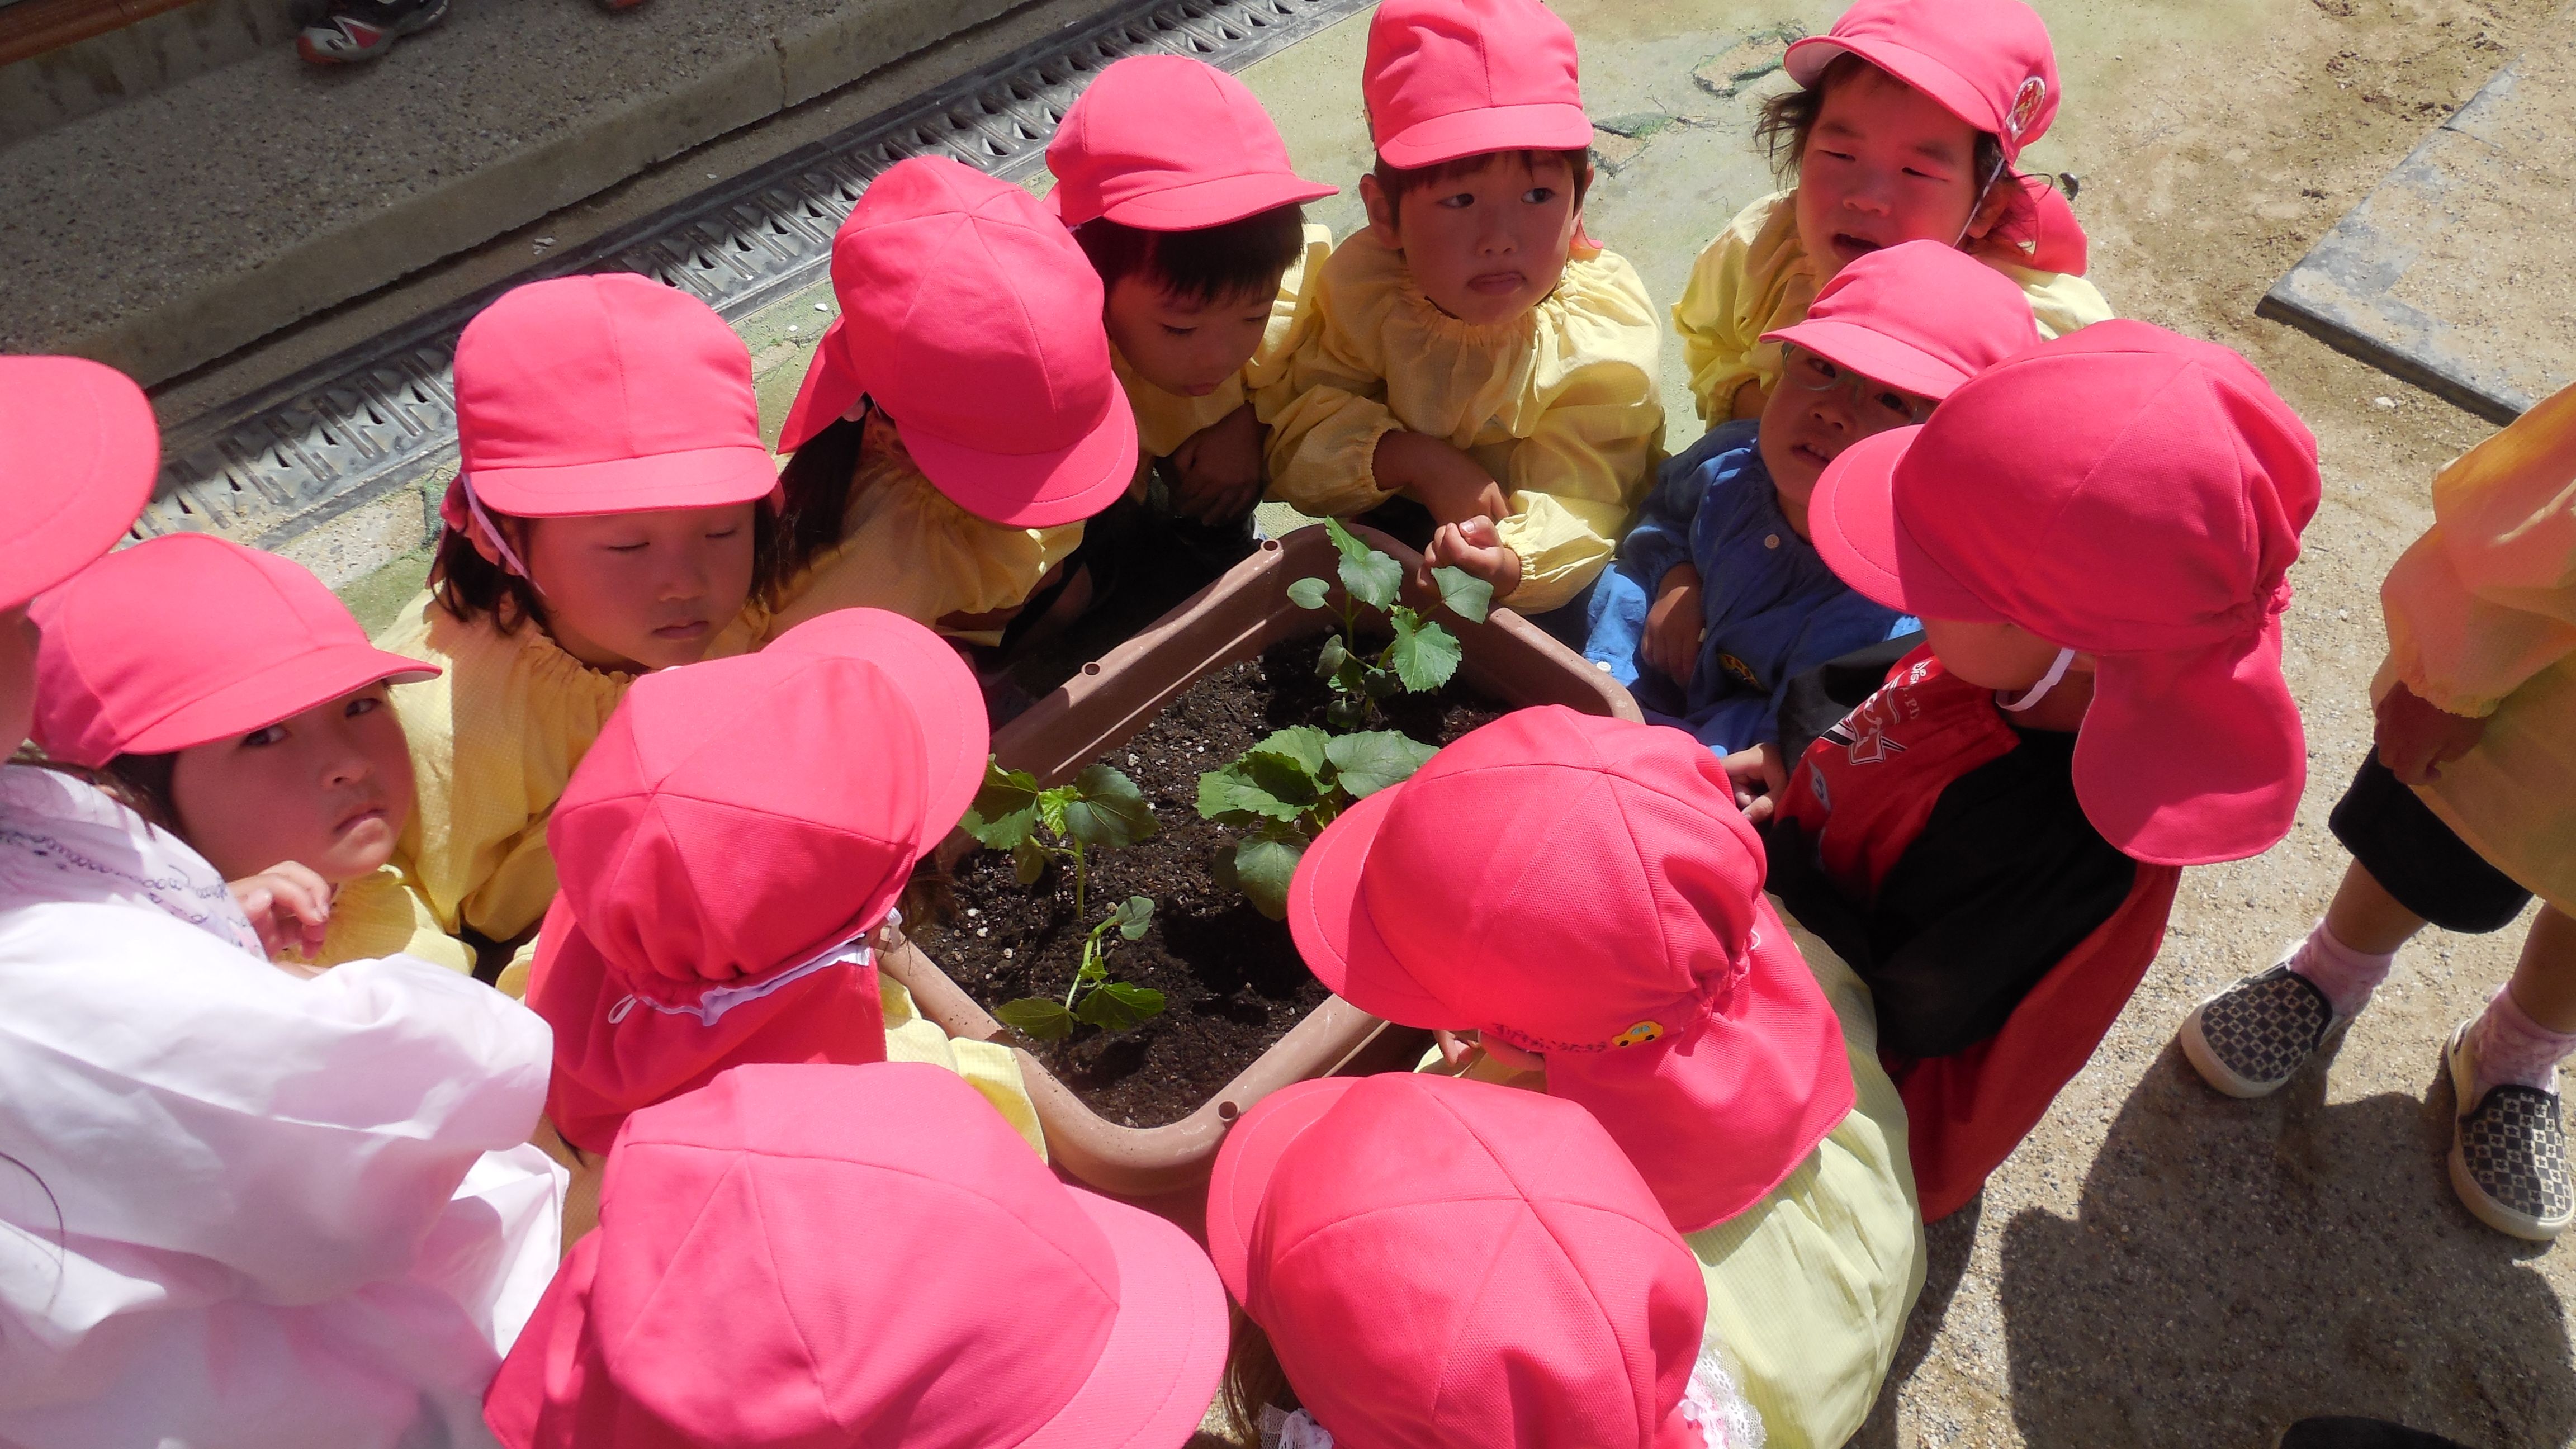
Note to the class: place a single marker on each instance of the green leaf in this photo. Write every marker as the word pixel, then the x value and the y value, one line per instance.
pixel 1119 1006
pixel 1382 684
pixel 1264 863
pixel 1051 807
pixel 1028 862
pixel 1308 593
pixel 1109 811
pixel 1372 579
pixel 1005 809
pixel 1232 796
pixel 1303 745
pixel 1335 655
pixel 1036 1017
pixel 1133 916
pixel 1346 541
pixel 1467 596
pixel 1346 714
pixel 1368 763
pixel 1425 655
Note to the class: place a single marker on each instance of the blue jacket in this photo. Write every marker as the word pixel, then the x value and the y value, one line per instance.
pixel 1773 610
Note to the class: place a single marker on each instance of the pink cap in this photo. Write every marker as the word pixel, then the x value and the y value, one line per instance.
pixel 1918 316
pixel 1452 78
pixel 1440 1262
pixel 1169 143
pixel 737 819
pixel 188 639
pixel 604 394
pixel 972 318
pixel 1987 62
pixel 78 448
pixel 861 1257
pixel 2137 496
pixel 1585 888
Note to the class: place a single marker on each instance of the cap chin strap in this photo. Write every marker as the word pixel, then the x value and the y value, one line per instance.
pixel 2056 672
pixel 710 1008
pixel 1997 174
pixel 500 541
pixel 1711 1415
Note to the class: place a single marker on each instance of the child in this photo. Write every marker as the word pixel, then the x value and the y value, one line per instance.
pixel 1472 352
pixel 1672 1004
pixel 240 706
pixel 960 418
pixel 1433 1262
pixel 1742 603
pixel 2461 815
pixel 243 1207
pixel 1908 118
pixel 1178 189
pixel 730 849
pixel 2096 536
pixel 858 1255
pixel 607 522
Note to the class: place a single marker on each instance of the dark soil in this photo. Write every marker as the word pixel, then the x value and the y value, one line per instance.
pixel 1231 978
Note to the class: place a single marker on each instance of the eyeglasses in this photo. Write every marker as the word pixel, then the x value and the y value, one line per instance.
pixel 1875 404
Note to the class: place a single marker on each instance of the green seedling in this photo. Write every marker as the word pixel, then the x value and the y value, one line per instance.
pixel 1421 655
pixel 1286 789
pixel 1101 810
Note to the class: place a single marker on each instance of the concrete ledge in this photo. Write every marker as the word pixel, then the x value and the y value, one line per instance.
pixel 173 229
pixel 135 60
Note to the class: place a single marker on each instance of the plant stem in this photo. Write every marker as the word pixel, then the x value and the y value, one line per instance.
pixel 1081 883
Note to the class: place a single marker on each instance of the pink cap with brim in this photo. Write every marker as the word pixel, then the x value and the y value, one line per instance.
pixel 1671 1001
pixel 188 639
pixel 969 314
pixel 1987 62
pixel 820 1254
pixel 604 394
pixel 78 450
pixel 2136 496
pixel 1451 78
pixel 1918 316
pixel 1170 143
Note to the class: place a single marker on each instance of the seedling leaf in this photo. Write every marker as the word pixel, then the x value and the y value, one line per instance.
pixel 1368 763
pixel 1424 655
pixel 1264 864
pixel 1335 655
pixel 1346 541
pixel 1134 916
pixel 1467 596
pixel 1119 1006
pixel 1344 714
pixel 1372 579
pixel 1005 809
pixel 1037 1017
pixel 1028 862
pixel 1304 745
pixel 1108 811
pixel 1308 593
pixel 1051 809
pixel 1230 795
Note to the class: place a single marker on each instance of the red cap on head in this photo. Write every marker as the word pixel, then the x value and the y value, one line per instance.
pixel 1988 62
pixel 1452 78
pixel 1170 143
pixel 1918 316
pixel 1671 1001
pixel 1440 1262
pixel 604 394
pixel 972 318
pixel 188 639
pixel 2137 496
pixel 858 1256
pixel 78 448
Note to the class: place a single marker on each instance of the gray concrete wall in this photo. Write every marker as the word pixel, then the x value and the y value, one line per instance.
pixel 107 70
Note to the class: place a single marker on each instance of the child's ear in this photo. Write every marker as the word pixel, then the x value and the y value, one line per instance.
pixel 1998 202
pixel 1381 211
pixel 484 544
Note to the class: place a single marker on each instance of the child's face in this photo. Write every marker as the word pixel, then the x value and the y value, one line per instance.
pixel 1990 655
pixel 1884 164
pixel 17 677
pixel 1819 409
pixel 1185 346
pixel 1486 246
pixel 329 789
pixel 641 591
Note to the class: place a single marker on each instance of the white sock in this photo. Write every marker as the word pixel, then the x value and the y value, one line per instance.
pixel 2507 1046
pixel 2344 975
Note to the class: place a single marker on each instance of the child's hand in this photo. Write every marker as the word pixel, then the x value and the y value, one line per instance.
pixel 2416 740
pixel 1760 777
pixel 1218 471
pixel 1476 547
pixel 1448 483
pixel 1674 625
pixel 288 905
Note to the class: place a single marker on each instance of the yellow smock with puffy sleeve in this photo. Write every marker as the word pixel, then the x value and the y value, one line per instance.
pixel 1809 1289
pixel 1165 420
pixel 378 915
pixel 907 549
pixel 2482 622
pixel 1755 278
pixel 989 1068
pixel 1558 405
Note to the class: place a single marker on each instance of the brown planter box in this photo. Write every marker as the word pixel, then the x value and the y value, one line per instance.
pixel 1113 697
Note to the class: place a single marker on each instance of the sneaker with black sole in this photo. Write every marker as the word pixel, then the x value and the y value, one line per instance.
pixel 2251 1038
pixel 2508 1151
pixel 356 30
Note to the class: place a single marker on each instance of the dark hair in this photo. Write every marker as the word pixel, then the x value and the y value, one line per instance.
pixel 470 586
pixel 816 481
pixel 1397 181
pixel 1788 118
pixel 1240 258
pixel 1253 1378
pixel 140 783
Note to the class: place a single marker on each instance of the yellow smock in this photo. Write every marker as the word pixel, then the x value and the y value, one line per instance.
pixel 1559 405
pixel 1755 278
pixel 1809 1289
pixel 988 1067
pixel 1165 420
pixel 906 548
pixel 378 915
pixel 2482 622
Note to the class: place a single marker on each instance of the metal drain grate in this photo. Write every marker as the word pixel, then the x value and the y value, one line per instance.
pixel 382 415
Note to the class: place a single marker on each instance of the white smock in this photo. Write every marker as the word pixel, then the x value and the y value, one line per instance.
pixel 240 1207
